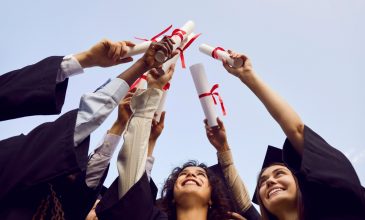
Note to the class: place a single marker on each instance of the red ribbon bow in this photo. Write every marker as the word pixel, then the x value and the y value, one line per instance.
pixel 214 52
pixel 184 48
pixel 212 93
pixel 154 38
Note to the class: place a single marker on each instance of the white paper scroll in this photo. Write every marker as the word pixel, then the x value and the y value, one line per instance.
pixel 188 28
pixel 161 106
pixel 165 66
pixel 208 50
pixel 202 86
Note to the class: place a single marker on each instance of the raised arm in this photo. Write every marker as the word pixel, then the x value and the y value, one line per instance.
pixel 99 160
pixel 280 110
pixel 95 107
pixel 132 157
pixel 218 138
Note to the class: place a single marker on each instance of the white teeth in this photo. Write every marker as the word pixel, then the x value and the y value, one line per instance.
pixel 190 182
pixel 275 190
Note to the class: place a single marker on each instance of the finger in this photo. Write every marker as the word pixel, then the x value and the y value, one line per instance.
pixel 220 123
pixel 118 50
pixel 160 46
pixel 125 60
pixel 162 118
pixel 168 47
pixel 227 66
pixel 129 43
pixel 205 121
pixel 112 48
pixel 171 70
pixel 123 50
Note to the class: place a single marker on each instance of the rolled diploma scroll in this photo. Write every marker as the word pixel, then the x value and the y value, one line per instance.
pixel 188 28
pixel 138 48
pixel 206 49
pixel 161 106
pixel 165 68
pixel 201 85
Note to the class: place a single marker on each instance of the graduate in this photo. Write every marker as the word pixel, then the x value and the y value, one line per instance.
pixel 191 191
pixel 308 179
pixel 218 138
pixel 40 89
pixel 43 173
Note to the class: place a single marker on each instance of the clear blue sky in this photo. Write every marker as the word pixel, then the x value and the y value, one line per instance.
pixel 311 52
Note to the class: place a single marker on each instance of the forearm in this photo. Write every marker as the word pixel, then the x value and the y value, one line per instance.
pixel 134 72
pixel 100 159
pixel 239 190
pixel 132 157
pixel 279 109
pixel 96 107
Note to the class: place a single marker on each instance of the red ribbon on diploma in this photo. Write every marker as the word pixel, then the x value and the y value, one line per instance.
pixel 154 38
pixel 166 87
pixel 214 52
pixel 212 93
pixel 144 77
pixel 137 82
pixel 178 32
pixel 184 48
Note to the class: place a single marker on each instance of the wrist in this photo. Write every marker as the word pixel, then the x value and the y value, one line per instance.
pixel 85 59
pixel 223 148
pixel 117 128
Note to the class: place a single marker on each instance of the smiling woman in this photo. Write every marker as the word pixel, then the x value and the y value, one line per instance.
pixel 194 185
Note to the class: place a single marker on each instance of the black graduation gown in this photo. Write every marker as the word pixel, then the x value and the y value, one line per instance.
pixel 137 203
pixel 29 162
pixel 330 187
pixel 32 90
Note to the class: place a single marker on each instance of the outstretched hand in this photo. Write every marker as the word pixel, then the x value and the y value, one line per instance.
pixel 165 45
pixel 105 53
pixel 217 135
pixel 124 113
pixel 157 80
pixel 242 72
pixel 156 130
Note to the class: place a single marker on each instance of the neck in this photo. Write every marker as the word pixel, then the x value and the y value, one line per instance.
pixel 288 215
pixel 192 213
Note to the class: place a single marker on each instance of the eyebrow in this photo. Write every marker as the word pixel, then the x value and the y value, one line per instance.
pixel 265 177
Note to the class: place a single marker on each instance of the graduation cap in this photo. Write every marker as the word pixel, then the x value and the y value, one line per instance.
pixel 273 155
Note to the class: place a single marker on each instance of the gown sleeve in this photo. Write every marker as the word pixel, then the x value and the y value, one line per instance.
pixel 32 90
pixel 328 182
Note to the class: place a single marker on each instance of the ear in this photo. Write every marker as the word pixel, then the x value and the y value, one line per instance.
pixel 210 202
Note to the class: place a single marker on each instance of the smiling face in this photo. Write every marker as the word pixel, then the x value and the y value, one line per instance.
pixel 192 185
pixel 277 189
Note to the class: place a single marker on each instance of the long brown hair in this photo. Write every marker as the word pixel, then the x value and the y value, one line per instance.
pixel 220 204
pixel 266 215
pixel 50 207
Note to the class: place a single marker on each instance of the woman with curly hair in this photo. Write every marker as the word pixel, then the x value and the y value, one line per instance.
pixel 194 190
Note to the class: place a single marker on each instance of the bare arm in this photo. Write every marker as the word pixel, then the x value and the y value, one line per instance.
pixel 280 110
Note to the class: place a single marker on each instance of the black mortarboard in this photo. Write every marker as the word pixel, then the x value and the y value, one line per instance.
pixel 273 155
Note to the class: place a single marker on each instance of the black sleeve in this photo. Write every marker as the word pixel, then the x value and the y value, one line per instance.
pixel 45 153
pixel 32 90
pixel 137 203
pixel 328 182
pixel 251 213
pixel 320 162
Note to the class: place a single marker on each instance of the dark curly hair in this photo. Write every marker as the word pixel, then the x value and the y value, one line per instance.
pixel 220 203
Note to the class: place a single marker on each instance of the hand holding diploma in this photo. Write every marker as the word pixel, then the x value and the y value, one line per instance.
pixel 220 54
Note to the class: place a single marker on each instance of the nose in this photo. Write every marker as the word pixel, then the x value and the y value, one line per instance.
pixel 190 174
pixel 271 181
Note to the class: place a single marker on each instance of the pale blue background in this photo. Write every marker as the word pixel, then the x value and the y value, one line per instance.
pixel 311 52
